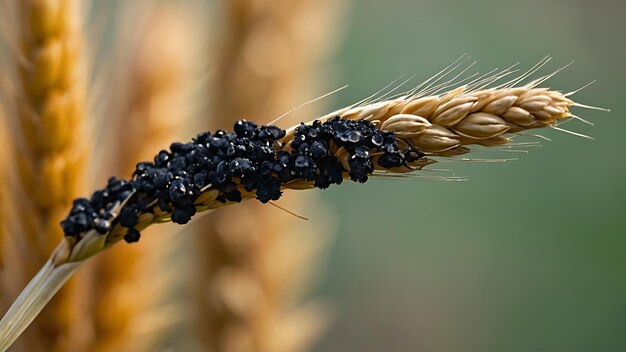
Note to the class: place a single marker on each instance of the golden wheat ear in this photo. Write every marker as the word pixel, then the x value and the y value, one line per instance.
pixel 397 136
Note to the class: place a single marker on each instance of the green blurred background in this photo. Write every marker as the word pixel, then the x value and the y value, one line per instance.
pixel 525 256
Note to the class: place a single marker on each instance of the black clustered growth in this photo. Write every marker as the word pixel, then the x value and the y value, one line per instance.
pixel 252 157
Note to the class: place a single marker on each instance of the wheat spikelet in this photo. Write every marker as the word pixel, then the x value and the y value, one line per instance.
pixel 49 89
pixel 152 113
pixel 253 262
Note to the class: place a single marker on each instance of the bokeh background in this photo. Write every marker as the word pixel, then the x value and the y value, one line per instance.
pixel 527 255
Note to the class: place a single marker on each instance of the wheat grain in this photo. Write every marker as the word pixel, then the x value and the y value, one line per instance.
pixel 50 94
pixel 249 266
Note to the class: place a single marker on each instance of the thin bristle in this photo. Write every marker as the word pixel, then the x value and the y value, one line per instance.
pixel 582 120
pixel 288 211
pixel 591 107
pixel 528 73
pixel 48 81
pixel 572 133
pixel 307 103
pixel 579 89
pixel 545 78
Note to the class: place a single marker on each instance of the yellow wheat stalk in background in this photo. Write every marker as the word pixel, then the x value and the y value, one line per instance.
pixel 153 72
pixel 49 91
pixel 254 262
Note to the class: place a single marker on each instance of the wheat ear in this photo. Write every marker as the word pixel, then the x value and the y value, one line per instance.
pixel 50 94
pixel 216 170
pixel 152 113
pixel 252 262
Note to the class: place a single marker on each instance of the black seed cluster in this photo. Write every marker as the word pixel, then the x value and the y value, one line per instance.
pixel 252 157
pixel 96 213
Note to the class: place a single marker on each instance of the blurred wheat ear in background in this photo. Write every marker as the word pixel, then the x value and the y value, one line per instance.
pixel 254 262
pixel 129 283
pixel 48 86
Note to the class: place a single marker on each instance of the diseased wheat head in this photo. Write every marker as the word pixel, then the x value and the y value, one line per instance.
pixel 49 85
pixel 385 137
pixel 253 263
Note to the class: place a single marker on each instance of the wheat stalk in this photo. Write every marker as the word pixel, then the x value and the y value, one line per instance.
pixel 358 141
pixel 152 113
pixel 252 263
pixel 50 94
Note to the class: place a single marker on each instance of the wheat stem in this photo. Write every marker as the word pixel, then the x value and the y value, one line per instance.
pixel 32 300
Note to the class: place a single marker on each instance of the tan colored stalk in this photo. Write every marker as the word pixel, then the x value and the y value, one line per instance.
pixel 254 262
pixel 441 124
pixel 50 151
pixel 154 69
